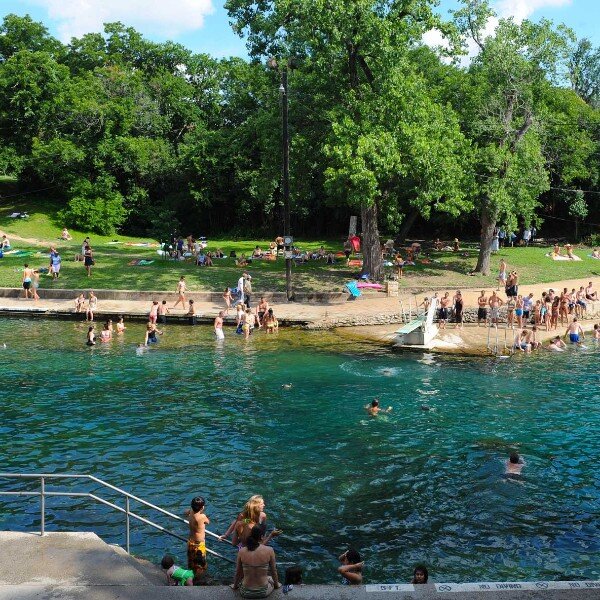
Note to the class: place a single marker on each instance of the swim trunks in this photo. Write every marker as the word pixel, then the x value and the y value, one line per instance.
pixel 196 555
pixel 494 312
pixel 482 313
pixel 219 334
pixel 443 314
pixel 519 312
pixel 27 284
pixel 574 337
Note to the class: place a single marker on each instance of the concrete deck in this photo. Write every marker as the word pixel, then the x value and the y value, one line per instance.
pixel 80 566
pixel 373 316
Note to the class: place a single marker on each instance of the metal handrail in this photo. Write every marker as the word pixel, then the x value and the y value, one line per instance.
pixel 127 510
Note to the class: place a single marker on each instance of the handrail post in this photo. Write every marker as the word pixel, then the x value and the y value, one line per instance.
pixel 127 523
pixel 42 507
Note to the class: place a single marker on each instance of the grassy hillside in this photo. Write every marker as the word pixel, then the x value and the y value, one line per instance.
pixel 112 270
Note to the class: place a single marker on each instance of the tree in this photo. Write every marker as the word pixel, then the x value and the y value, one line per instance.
pixel 501 106
pixel 354 53
pixel 584 72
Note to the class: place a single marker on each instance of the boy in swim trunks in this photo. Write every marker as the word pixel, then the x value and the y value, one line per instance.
pixel 482 303
pixel 575 332
pixel 196 546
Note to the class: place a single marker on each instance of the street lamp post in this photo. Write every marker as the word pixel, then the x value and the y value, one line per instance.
pixel 285 183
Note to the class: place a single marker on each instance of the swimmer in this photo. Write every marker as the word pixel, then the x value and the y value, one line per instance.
pixel 425 407
pixel 575 332
pixel 597 331
pixel 374 409
pixel 557 345
pixel 140 349
pixel 420 575
pixel 514 464
pixel 352 566
pixel 287 386
pixel 91 336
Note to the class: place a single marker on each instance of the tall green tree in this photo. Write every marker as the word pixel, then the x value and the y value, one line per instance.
pixel 358 52
pixel 501 103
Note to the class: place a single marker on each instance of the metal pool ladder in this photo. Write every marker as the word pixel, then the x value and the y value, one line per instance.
pixel 129 514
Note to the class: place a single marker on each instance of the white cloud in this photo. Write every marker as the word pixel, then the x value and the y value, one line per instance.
pixel 165 18
pixel 523 9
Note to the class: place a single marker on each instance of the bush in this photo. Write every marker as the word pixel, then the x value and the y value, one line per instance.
pixel 94 207
pixel 593 240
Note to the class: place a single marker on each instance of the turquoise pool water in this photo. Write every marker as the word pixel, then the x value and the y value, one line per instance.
pixel 193 417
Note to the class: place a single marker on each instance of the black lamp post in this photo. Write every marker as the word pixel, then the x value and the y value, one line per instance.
pixel 285 153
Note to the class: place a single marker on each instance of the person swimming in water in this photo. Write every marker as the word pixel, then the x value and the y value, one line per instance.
pixel 374 409
pixel 514 464
pixel 91 336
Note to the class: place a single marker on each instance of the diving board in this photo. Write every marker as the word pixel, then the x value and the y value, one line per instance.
pixel 420 331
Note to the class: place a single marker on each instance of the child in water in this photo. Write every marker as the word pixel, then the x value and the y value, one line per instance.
pixel 374 409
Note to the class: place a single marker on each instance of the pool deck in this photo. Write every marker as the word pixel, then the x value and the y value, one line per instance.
pixel 374 316
pixel 80 566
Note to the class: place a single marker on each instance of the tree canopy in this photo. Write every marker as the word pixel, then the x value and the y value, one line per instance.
pixel 148 137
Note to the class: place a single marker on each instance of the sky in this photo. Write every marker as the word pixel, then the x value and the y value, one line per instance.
pixel 203 25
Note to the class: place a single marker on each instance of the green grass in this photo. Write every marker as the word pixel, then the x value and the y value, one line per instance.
pixel 446 271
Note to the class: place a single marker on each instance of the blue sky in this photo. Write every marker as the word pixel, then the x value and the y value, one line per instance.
pixel 203 25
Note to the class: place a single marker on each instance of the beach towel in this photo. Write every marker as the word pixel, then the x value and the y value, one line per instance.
pixel 595 257
pixel 139 262
pixel 355 263
pixel 560 257
pixel 366 284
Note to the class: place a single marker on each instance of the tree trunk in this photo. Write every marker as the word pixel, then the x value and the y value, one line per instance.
pixel 406 225
pixel 488 224
pixel 371 246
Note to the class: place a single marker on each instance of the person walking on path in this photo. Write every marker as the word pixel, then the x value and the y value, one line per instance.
pixel 240 288
pixel 181 289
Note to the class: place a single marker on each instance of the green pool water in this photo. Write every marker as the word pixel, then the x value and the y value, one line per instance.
pixel 193 417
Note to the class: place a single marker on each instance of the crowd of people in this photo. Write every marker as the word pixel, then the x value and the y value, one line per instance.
pixel 255 574
pixel 524 313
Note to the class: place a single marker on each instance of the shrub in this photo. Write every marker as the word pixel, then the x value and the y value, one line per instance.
pixel 96 207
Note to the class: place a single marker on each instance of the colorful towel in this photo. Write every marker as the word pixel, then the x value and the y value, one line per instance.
pixel 355 263
pixel 372 286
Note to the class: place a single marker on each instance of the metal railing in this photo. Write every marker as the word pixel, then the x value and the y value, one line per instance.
pixel 129 514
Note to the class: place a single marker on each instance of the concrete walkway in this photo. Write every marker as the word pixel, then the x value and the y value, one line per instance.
pixel 80 566
pixel 373 316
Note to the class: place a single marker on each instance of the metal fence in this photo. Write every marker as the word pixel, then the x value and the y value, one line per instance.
pixel 43 494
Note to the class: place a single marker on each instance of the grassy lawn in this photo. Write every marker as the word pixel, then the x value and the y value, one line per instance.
pixel 446 270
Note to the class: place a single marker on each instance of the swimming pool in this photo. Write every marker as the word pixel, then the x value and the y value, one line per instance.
pixel 192 417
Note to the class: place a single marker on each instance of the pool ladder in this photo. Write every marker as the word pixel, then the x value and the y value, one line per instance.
pixel 43 494
pixel 496 351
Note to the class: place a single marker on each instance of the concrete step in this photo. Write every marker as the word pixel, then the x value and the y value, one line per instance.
pixel 67 559
pixel 80 566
